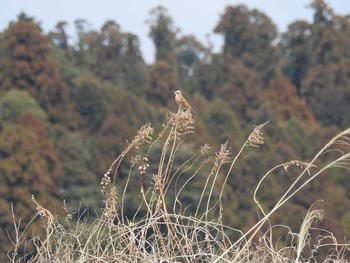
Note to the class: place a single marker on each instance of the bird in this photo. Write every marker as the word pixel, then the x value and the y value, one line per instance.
pixel 181 101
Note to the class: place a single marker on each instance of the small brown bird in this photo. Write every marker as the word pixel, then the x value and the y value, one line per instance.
pixel 181 101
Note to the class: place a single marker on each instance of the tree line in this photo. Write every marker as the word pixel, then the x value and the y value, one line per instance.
pixel 68 109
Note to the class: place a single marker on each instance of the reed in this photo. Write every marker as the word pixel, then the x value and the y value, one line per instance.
pixel 162 229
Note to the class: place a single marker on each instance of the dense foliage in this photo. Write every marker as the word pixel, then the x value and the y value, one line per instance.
pixel 67 110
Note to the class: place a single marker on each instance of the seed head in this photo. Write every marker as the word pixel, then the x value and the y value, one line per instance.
pixel 255 139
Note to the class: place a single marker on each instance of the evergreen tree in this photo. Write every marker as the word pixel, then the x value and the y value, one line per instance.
pixel 318 63
pixel 209 74
pixel 163 77
pixel 86 46
pixel 296 43
pixel 323 34
pixel 248 36
pixel 163 33
pixel 28 65
pixel 89 102
pixel 286 104
pixel 80 186
pixel 133 66
pixel 28 166
pixel 325 88
pixel 189 53
pixel 242 90
pixel 112 55
pixel 15 103
pixel 162 82
pixel 59 37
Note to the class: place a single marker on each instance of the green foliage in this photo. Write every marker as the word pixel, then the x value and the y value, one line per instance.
pixel 111 54
pixel 161 83
pixel 92 95
pixel 210 74
pixel 346 223
pixel 221 123
pixel 319 61
pixel 59 37
pixel 28 65
pixel 68 70
pixel 296 43
pixel 163 34
pixel 189 51
pixel 79 184
pixel 242 90
pixel 248 36
pixel 15 103
pixel 324 86
pixel 89 102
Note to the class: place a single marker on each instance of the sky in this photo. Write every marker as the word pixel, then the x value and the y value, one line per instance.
pixel 197 17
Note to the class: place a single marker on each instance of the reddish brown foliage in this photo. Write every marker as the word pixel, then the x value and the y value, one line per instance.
pixel 28 166
pixel 286 104
pixel 29 65
pixel 242 91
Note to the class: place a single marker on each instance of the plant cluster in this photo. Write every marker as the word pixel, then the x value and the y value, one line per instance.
pixel 163 229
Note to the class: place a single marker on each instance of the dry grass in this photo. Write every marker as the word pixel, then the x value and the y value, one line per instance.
pixel 162 230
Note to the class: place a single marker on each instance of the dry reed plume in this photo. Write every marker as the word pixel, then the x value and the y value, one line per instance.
pixel 162 230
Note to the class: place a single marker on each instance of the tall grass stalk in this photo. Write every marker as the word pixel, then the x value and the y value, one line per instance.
pixel 163 229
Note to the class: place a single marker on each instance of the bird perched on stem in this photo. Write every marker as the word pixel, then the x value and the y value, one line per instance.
pixel 181 101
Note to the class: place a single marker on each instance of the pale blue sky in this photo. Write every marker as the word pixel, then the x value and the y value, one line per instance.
pixel 197 17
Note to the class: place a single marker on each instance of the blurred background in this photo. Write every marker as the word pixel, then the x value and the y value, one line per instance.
pixel 78 79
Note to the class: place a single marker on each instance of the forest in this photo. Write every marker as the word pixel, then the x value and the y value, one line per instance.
pixel 68 109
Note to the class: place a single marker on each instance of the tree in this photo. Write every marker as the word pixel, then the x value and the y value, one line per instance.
pixel 203 80
pixel 318 63
pixel 323 33
pixel 163 77
pixel 161 83
pixel 59 37
pixel 163 33
pixel 248 36
pixel 28 65
pixel 326 92
pixel 210 73
pixel 80 186
pixel 28 166
pixel 221 123
pixel 296 43
pixel 89 102
pixel 111 141
pixel 133 65
pixel 327 82
pixel 189 53
pixel 242 91
pixel 112 55
pixel 286 104
pixel 86 47
pixel 15 103
pixel 111 45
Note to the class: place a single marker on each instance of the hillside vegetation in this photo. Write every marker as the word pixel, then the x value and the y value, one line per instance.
pixel 97 163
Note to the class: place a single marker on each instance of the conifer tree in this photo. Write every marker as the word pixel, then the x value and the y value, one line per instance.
pixel 28 166
pixel 248 36
pixel 28 65
pixel 163 77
